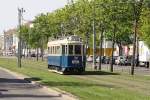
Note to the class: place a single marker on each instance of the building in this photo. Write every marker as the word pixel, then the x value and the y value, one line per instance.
pixel 1 44
pixel 11 40
pixel 106 49
pixel 8 40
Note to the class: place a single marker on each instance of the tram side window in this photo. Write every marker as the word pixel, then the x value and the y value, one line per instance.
pixel 70 49
pixel 54 49
pixel 66 50
pixel 83 49
pixel 78 49
pixel 48 49
pixel 58 50
pixel 63 49
pixel 51 51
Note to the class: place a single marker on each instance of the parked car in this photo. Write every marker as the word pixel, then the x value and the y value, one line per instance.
pixel 114 59
pixel 129 61
pixel 45 56
pixel 121 60
pixel 102 59
pixel 90 58
pixel 33 55
pixel 106 60
pixel 9 53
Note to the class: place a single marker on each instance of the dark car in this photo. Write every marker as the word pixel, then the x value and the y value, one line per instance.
pixel 106 60
pixel 129 61
pixel 33 55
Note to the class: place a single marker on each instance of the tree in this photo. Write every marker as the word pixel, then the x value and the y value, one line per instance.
pixel 145 23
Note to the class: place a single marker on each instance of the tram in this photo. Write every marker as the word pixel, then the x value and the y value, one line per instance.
pixel 66 55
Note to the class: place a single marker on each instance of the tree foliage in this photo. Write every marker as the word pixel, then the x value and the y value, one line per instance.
pixel 76 18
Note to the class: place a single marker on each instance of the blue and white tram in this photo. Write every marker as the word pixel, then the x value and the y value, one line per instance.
pixel 66 55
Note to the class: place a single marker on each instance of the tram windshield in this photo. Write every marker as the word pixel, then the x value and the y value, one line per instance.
pixel 71 49
pixel 77 49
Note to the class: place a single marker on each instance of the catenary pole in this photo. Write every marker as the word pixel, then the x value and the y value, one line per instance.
pixel 20 12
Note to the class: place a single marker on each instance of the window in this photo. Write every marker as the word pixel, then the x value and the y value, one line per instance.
pixel 83 49
pixel 58 50
pixel 70 49
pixel 63 49
pixel 49 50
pixel 53 50
pixel 66 50
pixel 78 49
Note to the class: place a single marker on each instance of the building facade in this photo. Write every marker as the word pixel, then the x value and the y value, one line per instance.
pixel 8 40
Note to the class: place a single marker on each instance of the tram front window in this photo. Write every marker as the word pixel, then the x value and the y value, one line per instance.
pixel 71 49
pixel 78 49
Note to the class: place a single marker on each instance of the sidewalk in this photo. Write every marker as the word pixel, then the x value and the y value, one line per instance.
pixel 14 86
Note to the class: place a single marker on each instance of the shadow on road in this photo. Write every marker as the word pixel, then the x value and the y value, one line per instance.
pixel 6 83
pixel 6 80
pixel 32 79
pixel 27 96
pixel 25 80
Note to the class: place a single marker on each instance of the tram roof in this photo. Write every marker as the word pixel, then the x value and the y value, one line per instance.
pixel 66 40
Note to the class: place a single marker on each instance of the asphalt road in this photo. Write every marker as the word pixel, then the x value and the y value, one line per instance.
pixel 14 88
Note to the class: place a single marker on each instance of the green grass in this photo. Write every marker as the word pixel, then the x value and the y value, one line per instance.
pixel 91 86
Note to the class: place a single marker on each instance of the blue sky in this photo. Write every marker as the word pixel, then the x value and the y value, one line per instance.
pixel 9 14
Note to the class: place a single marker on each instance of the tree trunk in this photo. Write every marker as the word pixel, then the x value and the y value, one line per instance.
pixel 42 52
pixel 137 13
pixel 24 50
pixel 100 46
pixel 113 40
pixel 120 49
pixel 37 56
pixel 27 51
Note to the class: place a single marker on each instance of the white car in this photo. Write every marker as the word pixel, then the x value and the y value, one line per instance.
pixel 120 60
pixel 97 59
pixel 9 53
pixel 90 58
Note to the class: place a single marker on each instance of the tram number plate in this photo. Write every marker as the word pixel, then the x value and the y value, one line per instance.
pixel 75 61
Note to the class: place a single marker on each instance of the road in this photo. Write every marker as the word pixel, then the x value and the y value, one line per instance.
pixel 14 88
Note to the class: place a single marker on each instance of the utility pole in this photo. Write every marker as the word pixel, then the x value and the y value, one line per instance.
pixel 20 12
pixel 86 46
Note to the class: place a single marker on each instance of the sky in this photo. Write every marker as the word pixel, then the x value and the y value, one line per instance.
pixel 9 10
